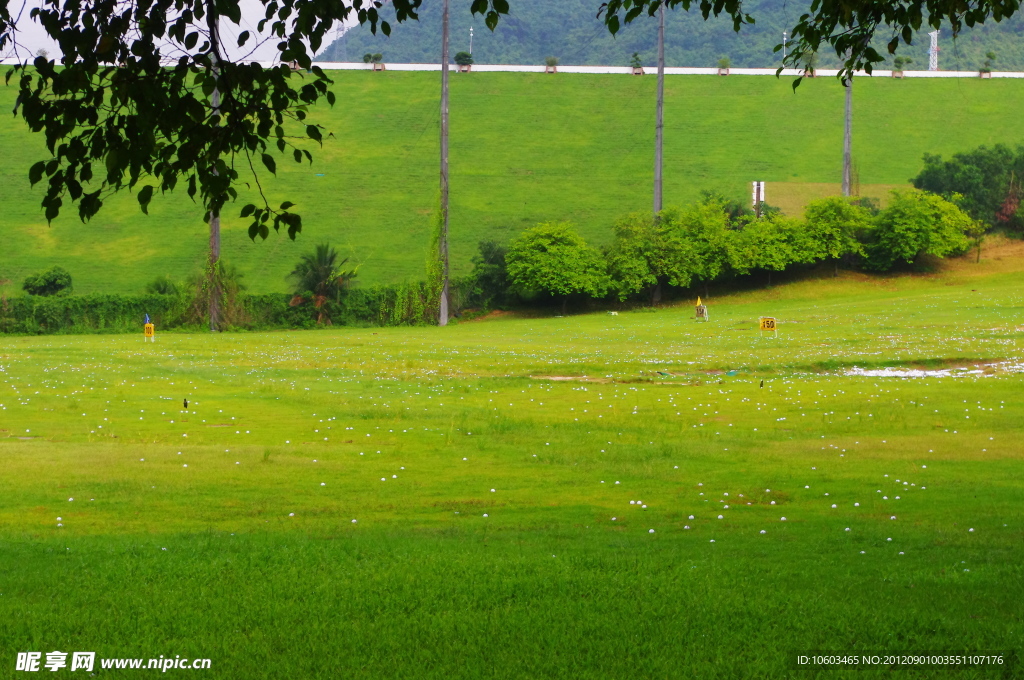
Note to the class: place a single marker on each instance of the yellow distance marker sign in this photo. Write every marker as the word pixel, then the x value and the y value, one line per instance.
pixel 768 324
pixel 150 330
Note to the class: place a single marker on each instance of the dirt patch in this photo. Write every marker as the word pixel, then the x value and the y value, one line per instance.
pixel 579 378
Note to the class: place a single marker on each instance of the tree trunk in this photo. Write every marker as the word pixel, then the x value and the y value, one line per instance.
pixel 769 278
pixel 565 302
pixel 655 293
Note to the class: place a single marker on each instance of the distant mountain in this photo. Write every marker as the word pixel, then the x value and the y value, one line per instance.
pixel 571 31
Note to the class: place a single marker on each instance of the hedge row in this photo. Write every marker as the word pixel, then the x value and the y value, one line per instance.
pixel 395 305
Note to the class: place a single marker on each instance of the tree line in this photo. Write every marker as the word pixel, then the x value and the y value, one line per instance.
pixel 715 239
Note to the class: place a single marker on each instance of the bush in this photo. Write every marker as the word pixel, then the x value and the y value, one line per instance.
pixel 162 285
pixel 724 63
pixel 635 61
pixel 56 281
pixel 321 281
pixel 488 285
pixel 463 58
pixel 915 224
pixel 551 61
pixel 553 258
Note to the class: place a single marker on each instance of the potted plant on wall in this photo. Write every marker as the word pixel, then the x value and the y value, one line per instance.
pixel 637 64
pixel 897 66
pixel 986 70
pixel 551 65
pixel 464 60
pixel 374 59
pixel 723 66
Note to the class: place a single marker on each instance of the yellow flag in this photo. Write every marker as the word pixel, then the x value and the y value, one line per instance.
pixel 698 301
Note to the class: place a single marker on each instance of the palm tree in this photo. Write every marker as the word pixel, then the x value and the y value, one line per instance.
pixel 320 278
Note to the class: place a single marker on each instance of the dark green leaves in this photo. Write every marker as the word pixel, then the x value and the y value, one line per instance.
pixel 145 196
pixel 268 161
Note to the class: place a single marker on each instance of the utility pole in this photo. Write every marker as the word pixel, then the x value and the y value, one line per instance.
pixel 659 120
pixel 784 34
pixel 470 41
pixel 848 84
pixel 442 314
pixel 214 216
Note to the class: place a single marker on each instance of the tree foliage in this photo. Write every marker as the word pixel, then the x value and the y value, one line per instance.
pixel 834 224
pixel 772 243
pixel 320 279
pixel 916 223
pixel 553 258
pixel 54 281
pixel 705 229
pixel 132 103
pixel 848 27
pixel 989 182
pixel 646 253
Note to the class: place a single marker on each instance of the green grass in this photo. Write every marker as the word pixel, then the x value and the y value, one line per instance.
pixel 525 148
pixel 236 543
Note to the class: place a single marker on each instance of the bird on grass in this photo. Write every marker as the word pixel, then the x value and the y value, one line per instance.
pixel 762 383
pixel 185 403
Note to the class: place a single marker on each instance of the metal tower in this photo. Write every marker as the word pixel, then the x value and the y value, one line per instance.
pixel 933 52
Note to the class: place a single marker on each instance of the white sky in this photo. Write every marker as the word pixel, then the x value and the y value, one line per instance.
pixel 31 37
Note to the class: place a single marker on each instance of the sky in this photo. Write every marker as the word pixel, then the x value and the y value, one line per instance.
pixel 32 38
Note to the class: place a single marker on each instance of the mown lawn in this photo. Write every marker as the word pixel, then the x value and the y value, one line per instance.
pixel 497 473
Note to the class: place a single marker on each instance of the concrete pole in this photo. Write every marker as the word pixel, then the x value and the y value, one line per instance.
pixel 847 134
pixel 442 315
pixel 215 291
pixel 659 121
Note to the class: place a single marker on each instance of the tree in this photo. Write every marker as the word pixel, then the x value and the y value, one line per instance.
pixel 848 27
pixel 772 243
pixel 55 281
pixel 645 254
pixel 320 279
pixel 833 225
pixel 988 181
pixel 914 224
pixel 990 58
pixel 463 58
pixel 129 105
pixel 489 276
pixel 705 229
pixel 553 258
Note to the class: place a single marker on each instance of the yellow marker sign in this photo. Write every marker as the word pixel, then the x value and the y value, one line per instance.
pixel 149 330
pixel 768 324
pixel 701 310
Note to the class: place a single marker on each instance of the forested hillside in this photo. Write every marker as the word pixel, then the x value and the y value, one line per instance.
pixel 571 31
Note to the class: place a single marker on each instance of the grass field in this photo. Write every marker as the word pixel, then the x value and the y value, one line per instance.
pixel 459 502
pixel 525 148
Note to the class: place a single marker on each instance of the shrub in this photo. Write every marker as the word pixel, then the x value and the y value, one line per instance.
pixel 463 58
pixel 551 61
pixel 635 61
pixel 488 283
pixel 320 280
pixel 724 63
pixel 162 285
pixel 56 281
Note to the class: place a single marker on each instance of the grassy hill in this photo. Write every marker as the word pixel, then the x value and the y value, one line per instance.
pixel 525 148
pixel 570 30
